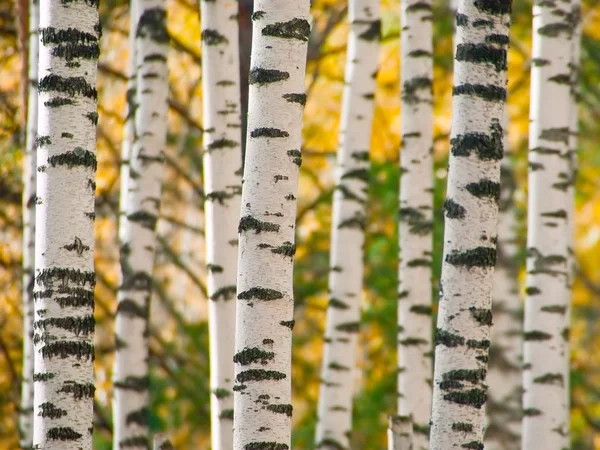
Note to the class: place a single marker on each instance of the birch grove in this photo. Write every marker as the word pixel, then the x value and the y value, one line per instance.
pixel 471 215
pixel 222 185
pixel 504 376
pixel 64 225
pixel 264 316
pixel 130 374
pixel 416 218
pixel 348 228
pixel 545 402
pixel 29 205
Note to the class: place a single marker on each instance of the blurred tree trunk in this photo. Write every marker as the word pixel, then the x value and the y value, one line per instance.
pixel 400 433
pixel 222 185
pixel 416 219
pixel 64 241
pixel 504 376
pixel 245 41
pixel 471 211
pixel 264 319
pixel 348 228
pixel 130 376
pixel 545 401
pixel 29 180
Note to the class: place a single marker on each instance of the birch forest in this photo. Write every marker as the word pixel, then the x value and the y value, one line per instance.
pixel 308 224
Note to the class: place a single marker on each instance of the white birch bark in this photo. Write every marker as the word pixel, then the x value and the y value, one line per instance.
pixel 471 212
pixel 400 433
pixel 130 375
pixel 64 232
pixel 545 405
pixel 162 442
pixel 347 228
pixel 29 180
pixel 416 219
pixel 129 125
pixel 504 377
pixel 222 184
pixel 264 316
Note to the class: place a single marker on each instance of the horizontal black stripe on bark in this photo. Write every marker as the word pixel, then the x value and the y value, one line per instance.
pixel 134 441
pixel 482 344
pixel 261 76
pixel 476 257
pixel 536 336
pixel 372 33
pixel 78 325
pixel 357 221
pixel 213 37
pixel 482 54
pixel 260 293
pixel 153 25
pixel 488 92
pixel 471 397
pixel 474 445
pixel 495 7
pixel 443 337
pixel 221 144
pixel 338 367
pixel 288 324
pixel 462 427
pixel 330 444
pixel 263 445
pixel 296 28
pixel 550 378
pixel 348 327
pixel 248 223
pixel 226 414
pixel 221 393
pixel 78 390
pixel 556 135
pixel 419 6
pixel 296 98
pixel 51 411
pixel 296 156
pixel 555 29
pixel 133 383
pixel 252 355
pixel 74 158
pixel 57 102
pixel 281 409
pixel 481 315
pixel 43 376
pixel 412 342
pixel 411 87
pixel 68 85
pixel 63 434
pixel 65 349
pixel 484 188
pixel 453 210
pixel 224 292
pixel 138 417
pixel 259 375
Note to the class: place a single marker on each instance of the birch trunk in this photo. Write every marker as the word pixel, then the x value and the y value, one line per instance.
pixel 545 405
pixel 29 179
pixel 64 232
pixel 400 433
pixel 504 377
pixel 347 228
pixel 264 316
pixel 416 219
pixel 222 184
pixel 471 211
pixel 129 125
pixel 130 375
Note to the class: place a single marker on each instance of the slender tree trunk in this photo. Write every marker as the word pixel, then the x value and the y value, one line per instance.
pixel 222 183
pixel 504 376
pixel 29 179
pixel 471 211
pixel 264 318
pixel 130 376
pixel 129 125
pixel 64 232
pixel 400 433
pixel 347 228
pixel 545 405
pixel 245 43
pixel 416 219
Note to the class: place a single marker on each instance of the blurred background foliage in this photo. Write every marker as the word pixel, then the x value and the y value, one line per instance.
pixel 179 332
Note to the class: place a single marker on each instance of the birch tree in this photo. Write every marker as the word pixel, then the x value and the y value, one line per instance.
pixel 545 401
pixel 348 228
pixel 264 316
pixel 416 219
pixel 504 377
pixel 222 184
pixel 130 374
pixel 64 225
pixel 29 180
pixel 471 212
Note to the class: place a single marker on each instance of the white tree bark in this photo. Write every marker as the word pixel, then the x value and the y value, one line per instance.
pixel 416 219
pixel 545 405
pixel 129 125
pixel 347 228
pixel 64 232
pixel 504 376
pixel 162 442
pixel 222 184
pixel 29 180
pixel 130 375
pixel 264 317
pixel 471 211
pixel 400 433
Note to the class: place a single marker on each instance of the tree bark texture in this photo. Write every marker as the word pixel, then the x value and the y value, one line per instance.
pixel 471 220
pixel 222 184
pixel 416 219
pixel 348 228
pixel 264 317
pixel 29 180
pixel 400 433
pixel 546 326
pixel 130 375
pixel 64 233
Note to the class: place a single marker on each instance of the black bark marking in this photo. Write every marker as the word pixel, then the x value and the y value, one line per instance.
pixel 259 375
pixel 472 397
pixel 78 390
pixel 462 427
pixel 266 446
pixel 330 443
pixel 453 210
pixel 555 309
pixel 348 327
pixel 296 98
pixel 153 25
pixel 482 54
pixel 480 345
pixel 52 411
pixel 485 188
pixel 554 29
pixel 357 174
pixel 476 257
pixel 488 147
pixel 481 315
pixel 531 412
pixel 68 85
pixel 133 383
pixel 58 101
pixel 268 133
pixel 213 37
pixel 288 324
pixel 224 292
pixel 253 355
pixel 412 86
pixel 257 15
pixel 536 336
pixel 264 76
pixel 357 221
pixel 475 445
pixel 43 377
pixel 62 434
pixel 259 293
pixel 413 342
pixel 499 39
pixel 248 223
pixel 287 249
pixel 221 393
pixel 78 325
pixel 424 310
pixel 443 337
pixel 226 414
pixel 337 304
pixel 298 29
pixel 488 92
pixel 550 378
pixel 372 33
pixel 281 409
pixel 78 157
pixel 461 20
pixel 138 417
pixel 532 290
pixel 495 7
pixel 221 144
pixel 296 156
